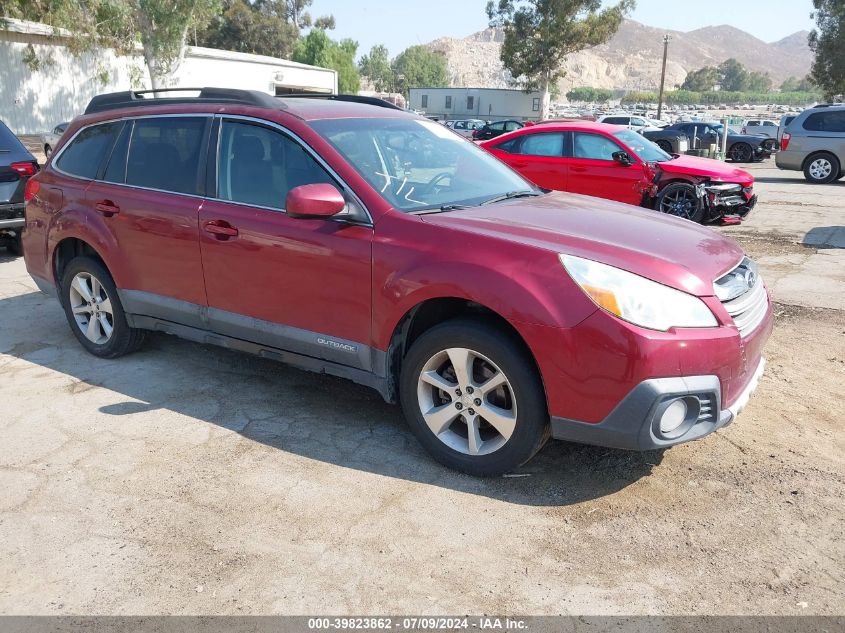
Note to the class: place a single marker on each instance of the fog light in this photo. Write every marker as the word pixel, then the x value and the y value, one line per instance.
pixel 673 417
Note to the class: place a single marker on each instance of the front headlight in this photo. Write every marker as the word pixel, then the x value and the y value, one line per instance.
pixel 636 299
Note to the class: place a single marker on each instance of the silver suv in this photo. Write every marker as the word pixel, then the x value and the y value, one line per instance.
pixel 814 142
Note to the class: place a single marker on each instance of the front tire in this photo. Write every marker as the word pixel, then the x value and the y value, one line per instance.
pixel 473 398
pixel 822 169
pixel 680 199
pixel 94 312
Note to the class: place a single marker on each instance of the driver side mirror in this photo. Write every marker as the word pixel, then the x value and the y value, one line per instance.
pixel 319 200
pixel 622 158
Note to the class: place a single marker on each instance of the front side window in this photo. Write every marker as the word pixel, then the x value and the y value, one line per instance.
pixel 165 153
pixel 544 144
pixel 510 126
pixel 417 165
pixel 647 151
pixel 259 166
pixel 85 154
pixel 594 146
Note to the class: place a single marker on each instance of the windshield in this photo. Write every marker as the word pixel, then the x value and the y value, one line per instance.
pixel 647 151
pixel 418 165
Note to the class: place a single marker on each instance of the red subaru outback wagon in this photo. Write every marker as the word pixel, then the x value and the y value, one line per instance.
pixel 369 243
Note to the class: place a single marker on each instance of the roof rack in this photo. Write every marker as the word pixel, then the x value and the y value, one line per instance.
pixel 135 98
pixel 374 101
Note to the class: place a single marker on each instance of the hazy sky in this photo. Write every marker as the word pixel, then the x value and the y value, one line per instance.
pixel 401 23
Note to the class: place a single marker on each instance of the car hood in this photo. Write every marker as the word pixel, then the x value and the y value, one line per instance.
pixel 671 251
pixel 707 167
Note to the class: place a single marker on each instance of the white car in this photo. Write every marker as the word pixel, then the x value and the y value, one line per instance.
pixel 636 123
pixel 50 139
pixel 760 127
pixel 465 127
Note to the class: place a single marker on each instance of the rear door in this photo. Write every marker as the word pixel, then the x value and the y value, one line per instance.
pixel 149 196
pixel 302 285
pixel 593 172
pixel 539 156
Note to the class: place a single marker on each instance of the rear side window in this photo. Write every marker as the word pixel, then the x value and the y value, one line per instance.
pixel 753 123
pixel 546 144
pixel 9 141
pixel 85 154
pixel 165 153
pixel 617 120
pixel 259 166
pixel 826 121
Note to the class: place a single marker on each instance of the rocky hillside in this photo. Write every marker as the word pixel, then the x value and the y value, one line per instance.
pixel 631 59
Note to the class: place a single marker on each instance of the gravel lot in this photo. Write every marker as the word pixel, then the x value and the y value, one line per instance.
pixel 188 479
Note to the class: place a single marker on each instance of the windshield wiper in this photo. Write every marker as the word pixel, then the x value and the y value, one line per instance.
pixel 510 195
pixel 443 209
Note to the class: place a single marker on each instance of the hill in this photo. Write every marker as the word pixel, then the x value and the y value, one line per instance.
pixel 631 59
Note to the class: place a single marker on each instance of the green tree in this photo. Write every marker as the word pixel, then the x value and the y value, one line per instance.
pixel 251 27
pixel 702 79
pixel 539 34
pixel 297 14
pixel 420 67
pixel 733 75
pixel 318 49
pixel 757 82
pixel 828 43
pixel 375 66
pixel 161 26
pixel 589 95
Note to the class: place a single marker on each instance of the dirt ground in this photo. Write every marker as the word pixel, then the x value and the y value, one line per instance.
pixel 192 480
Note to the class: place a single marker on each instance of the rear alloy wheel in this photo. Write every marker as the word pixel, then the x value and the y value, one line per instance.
pixel 473 398
pixel 679 199
pixel 822 169
pixel 94 311
pixel 666 146
pixel 741 153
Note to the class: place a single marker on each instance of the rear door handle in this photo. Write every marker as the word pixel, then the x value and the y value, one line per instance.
pixel 579 169
pixel 221 229
pixel 107 208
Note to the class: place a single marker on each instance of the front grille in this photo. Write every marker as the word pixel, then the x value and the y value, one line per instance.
pixel 743 294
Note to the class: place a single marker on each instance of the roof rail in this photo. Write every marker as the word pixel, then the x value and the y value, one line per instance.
pixel 374 101
pixel 135 98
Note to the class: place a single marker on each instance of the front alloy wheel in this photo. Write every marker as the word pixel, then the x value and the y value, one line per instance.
pixel 467 401
pixel 472 396
pixel 681 200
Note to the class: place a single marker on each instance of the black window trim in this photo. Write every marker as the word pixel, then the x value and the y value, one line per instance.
pixel 200 170
pixel 214 153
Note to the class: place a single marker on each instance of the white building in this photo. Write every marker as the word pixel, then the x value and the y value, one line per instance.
pixel 477 103
pixel 34 100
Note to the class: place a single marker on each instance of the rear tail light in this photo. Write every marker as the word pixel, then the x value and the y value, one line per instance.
pixel 25 169
pixel 31 189
pixel 784 140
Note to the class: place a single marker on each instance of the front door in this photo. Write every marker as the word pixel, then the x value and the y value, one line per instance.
pixel 301 285
pixel 593 172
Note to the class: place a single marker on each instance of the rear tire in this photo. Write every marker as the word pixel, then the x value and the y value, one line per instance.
pixel 666 146
pixel 15 246
pixel 94 312
pixel 822 169
pixel 499 420
pixel 741 153
pixel 48 151
pixel 679 199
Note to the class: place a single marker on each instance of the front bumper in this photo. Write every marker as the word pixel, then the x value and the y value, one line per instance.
pixel 634 424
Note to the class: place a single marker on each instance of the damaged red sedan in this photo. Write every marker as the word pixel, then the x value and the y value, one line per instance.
pixel 610 161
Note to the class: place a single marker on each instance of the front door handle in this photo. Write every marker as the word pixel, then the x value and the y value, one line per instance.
pixel 107 208
pixel 221 229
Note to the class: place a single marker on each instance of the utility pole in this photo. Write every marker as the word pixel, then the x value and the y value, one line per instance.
pixel 666 39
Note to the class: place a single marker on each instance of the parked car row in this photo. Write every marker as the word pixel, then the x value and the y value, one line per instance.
pixel 373 244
